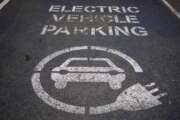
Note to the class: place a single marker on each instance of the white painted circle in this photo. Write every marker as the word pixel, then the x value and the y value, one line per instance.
pixel 42 94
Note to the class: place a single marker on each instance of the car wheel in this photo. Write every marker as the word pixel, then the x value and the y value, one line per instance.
pixel 60 85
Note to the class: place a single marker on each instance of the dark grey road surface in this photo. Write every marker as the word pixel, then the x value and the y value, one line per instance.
pixel 175 4
pixel 22 47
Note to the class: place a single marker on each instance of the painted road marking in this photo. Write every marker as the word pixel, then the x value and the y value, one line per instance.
pixel 133 98
pixel 117 21
pixel 88 74
pixel 134 64
pixel 41 93
pixel 4 3
pixel 173 10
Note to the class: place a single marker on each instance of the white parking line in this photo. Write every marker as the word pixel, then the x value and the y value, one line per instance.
pixel 171 8
pixel 4 3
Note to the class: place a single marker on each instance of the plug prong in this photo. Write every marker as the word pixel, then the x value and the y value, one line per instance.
pixel 154 90
pixel 161 95
pixel 151 84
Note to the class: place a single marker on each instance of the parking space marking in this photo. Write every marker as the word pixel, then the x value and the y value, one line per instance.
pixel 4 3
pixel 134 98
pixel 173 10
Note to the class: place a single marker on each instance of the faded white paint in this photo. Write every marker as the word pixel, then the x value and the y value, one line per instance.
pixel 88 74
pixel 93 31
pixel 93 9
pixel 70 18
pixel 41 93
pixel 4 3
pixel 43 62
pixel 173 10
pixel 134 98
pixel 133 63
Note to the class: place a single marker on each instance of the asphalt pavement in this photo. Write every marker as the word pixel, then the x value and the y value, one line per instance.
pixel 175 4
pixel 89 60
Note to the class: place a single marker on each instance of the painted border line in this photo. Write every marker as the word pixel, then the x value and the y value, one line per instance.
pixel 4 3
pixel 173 10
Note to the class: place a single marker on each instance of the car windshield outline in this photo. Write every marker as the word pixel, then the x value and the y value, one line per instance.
pixel 88 69
pixel 63 74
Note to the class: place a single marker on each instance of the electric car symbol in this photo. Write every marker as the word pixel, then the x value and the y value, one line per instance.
pixel 111 74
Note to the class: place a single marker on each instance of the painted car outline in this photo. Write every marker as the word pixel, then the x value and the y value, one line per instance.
pixel 63 74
